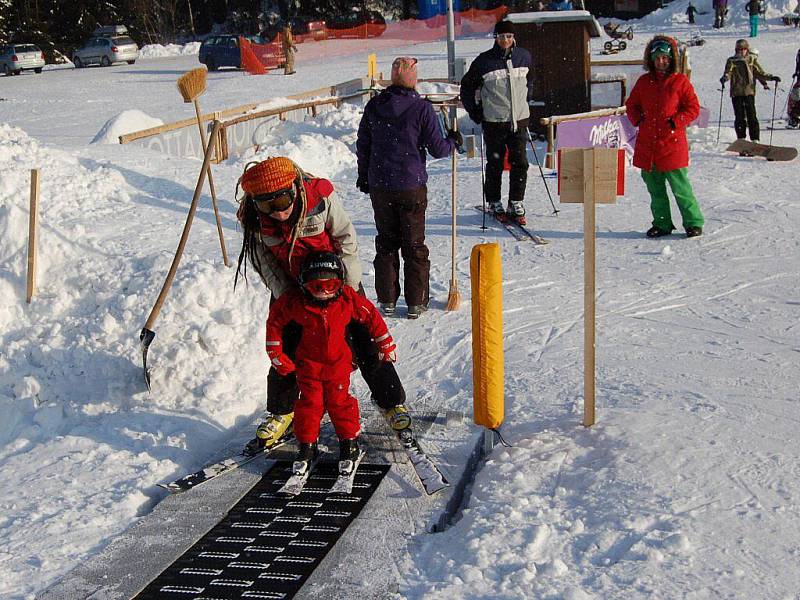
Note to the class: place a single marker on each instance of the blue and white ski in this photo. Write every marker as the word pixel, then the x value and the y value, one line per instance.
pixel 347 474
pixel 429 474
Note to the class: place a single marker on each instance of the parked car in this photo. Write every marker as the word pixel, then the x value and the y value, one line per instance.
pixel 15 58
pixel 105 51
pixel 358 23
pixel 304 27
pixel 223 51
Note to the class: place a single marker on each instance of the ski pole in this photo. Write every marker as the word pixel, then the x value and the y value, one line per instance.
pixel 772 118
pixel 541 172
pixel 483 183
pixel 719 120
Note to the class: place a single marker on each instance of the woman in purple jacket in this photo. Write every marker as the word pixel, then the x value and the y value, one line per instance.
pixel 397 128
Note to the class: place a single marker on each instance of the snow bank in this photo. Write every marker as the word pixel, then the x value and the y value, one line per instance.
pixel 159 51
pixel 126 122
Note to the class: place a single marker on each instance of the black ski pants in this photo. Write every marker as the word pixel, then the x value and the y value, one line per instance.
pixel 744 111
pixel 381 377
pixel 499 139
pixel 400 221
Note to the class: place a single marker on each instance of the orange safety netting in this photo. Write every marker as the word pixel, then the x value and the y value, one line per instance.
pixel 257 59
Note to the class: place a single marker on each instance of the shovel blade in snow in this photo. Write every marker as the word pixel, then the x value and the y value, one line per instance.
pixel 145 339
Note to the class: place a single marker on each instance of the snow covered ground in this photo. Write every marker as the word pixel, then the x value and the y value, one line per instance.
pixel 687 487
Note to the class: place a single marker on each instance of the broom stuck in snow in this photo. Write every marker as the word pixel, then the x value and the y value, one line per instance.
pixel 191 85
pixel 453 297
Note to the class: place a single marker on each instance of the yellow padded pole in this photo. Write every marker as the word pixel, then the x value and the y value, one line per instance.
pixel 488 378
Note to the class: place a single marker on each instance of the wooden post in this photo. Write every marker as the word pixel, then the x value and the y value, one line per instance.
pixel 548 159
pixel 588 289
pixel 32 234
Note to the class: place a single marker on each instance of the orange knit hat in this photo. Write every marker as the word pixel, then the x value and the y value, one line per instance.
pixel 269 176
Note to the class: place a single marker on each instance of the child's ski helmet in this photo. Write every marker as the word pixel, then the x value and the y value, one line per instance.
pixel 322 276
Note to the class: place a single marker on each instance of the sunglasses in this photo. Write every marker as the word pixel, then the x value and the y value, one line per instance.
pixel 505 36
pixel 274 202
pixel 323 287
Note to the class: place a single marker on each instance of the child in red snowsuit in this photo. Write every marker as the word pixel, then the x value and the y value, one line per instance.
pixel 322 308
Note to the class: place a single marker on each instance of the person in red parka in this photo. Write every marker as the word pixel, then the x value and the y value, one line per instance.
pixel 661 105
pixel 322 309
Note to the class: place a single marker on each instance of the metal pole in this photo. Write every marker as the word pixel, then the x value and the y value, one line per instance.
pixel 451 43
pixel 772 118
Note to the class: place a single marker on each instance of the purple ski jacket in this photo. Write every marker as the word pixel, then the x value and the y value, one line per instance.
pixel 397 128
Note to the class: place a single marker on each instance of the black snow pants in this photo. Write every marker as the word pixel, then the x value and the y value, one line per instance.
pixel 499 138
pixel 744 111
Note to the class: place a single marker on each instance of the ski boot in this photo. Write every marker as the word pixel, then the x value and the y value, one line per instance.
pixel 305 458
pixel 496 208
pixel 348 455
pixel 388 308
pixel 397 417
pixel 518 211
pixel 415 310
pixel 272 429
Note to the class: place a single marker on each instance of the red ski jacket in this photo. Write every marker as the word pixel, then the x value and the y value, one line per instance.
pixel 661 106
pixel 322 353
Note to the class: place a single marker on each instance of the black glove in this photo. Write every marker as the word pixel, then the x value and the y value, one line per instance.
pixel 362 185
pixel 776 79
pixel 671 124
pixel 456 136
pixel 722 80
pixel 477 116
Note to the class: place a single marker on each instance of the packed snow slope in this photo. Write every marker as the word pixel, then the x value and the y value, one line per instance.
pixel 687 487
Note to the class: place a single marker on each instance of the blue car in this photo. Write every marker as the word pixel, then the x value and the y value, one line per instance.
pixel 223 51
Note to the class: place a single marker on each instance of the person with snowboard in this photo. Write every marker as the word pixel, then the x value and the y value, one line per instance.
pixel 662 103
pixel 322 309
pixel 502 80
pixel 743 70
pixel 690 12
pixel 397 128
pixel 286 214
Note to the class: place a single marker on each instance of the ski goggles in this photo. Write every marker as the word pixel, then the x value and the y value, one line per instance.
pixel 274 202
pixel 323 287
pixel 661 47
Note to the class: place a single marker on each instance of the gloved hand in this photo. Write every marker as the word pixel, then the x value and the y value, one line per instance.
pixel 387 349
pixel 671 124
pixel 456 136
pixel 776 79
pixel 281 363
pixel 362 185
pixel 722 80
pixel 766 87
pixel 477 115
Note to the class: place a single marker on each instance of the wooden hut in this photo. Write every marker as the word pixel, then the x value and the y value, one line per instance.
pixel 559 45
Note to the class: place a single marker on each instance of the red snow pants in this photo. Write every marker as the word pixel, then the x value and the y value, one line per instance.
pixel 317 396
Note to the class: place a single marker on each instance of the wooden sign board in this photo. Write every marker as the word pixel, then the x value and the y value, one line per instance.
pixel 599 172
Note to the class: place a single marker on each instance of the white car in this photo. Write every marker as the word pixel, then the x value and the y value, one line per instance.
pixel 15 58
pixel 106 50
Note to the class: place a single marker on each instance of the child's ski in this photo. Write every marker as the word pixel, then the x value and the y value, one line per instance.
pixel 216 469
pixel 520 232
pixel 347 474
pixel 301 471
pixel 429 474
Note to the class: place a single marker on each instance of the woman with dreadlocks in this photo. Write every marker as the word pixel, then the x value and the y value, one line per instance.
pixel 285 215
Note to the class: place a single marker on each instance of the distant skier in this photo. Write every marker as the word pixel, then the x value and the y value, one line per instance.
pixel 690 12
pixel 662 103
pixel 289 50
pixel 743 69
pixel 720 12
pixel 754 9
pixel 793 106
pixel 322 309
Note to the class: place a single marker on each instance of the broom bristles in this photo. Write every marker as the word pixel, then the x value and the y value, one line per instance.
pixel 192 84
pixel 453 297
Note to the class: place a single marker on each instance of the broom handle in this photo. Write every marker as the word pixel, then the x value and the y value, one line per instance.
pixel 453 201
pixel 211 185
pixel 151 319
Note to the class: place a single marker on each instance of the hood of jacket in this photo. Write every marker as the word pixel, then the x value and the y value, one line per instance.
pixel 648 60
pixel 394 102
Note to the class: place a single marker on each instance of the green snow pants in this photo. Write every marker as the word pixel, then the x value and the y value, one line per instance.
pixel 656 182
